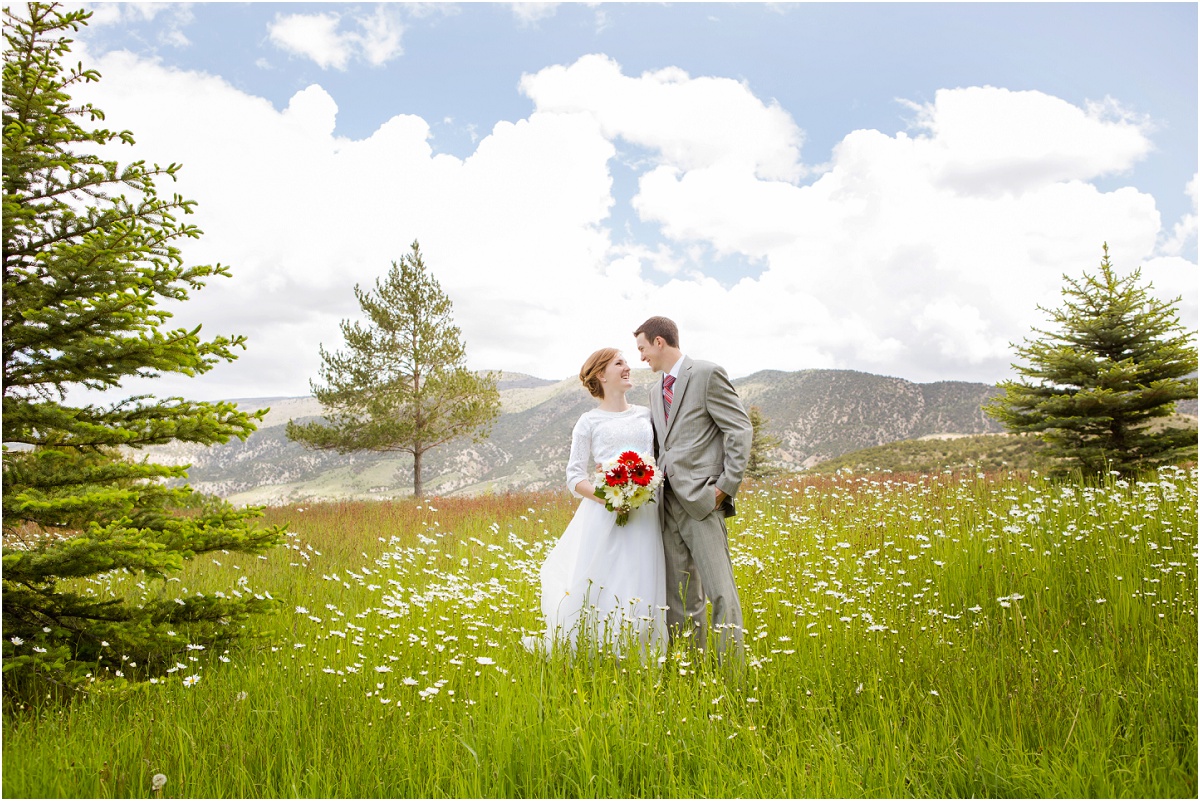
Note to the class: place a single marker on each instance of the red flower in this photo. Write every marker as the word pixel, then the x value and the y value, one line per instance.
pixel 642 475
pixel 629 458
pixel 617 476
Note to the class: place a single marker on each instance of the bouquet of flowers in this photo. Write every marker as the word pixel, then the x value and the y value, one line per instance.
pixel 626 483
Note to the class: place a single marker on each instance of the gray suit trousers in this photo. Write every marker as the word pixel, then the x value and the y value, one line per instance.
pixel 698 550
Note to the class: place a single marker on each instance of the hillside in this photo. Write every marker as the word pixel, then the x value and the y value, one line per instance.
pixel 818 414
pixel 940 452
pixel 982 452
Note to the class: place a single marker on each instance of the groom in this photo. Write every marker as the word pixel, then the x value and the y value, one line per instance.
pixel 703 436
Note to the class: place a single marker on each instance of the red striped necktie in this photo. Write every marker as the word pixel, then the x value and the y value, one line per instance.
pixel 668 395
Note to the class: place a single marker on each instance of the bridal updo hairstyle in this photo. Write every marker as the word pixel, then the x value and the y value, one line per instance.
pixel 594 367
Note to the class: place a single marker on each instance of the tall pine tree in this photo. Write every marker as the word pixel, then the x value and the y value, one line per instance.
pixel 761 447
pixel 89 254
pixel 1098 388
pixel 402 385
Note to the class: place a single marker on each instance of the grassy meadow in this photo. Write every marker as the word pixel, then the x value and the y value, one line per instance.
pixel 949 635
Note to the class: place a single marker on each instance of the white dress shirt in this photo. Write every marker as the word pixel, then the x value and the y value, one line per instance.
pixel 674 371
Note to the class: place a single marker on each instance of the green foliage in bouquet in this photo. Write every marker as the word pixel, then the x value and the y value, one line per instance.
pixel 89 254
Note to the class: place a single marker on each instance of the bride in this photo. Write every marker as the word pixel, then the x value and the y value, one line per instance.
pixel 601 580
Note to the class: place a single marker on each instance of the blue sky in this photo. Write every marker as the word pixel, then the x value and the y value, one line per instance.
pixel 813 235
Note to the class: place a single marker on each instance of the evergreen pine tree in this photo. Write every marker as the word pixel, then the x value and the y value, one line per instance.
pixel 402 385
pixel 759 465
pixel 85 269
pixel 1100 386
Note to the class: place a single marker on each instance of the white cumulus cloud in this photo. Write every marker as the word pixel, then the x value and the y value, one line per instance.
pixel 315 36
pixel 692 122
pixel 532 13
pixel 913 253
pixel 986 140
pixel 174 17
pixel 1184 231
pixel 325 38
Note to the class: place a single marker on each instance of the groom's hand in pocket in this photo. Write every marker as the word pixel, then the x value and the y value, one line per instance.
pixel 721 498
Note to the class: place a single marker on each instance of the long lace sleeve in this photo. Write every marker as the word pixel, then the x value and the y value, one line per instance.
pixel 579 466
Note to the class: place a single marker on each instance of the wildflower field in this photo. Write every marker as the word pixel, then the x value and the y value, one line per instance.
pixel 954 635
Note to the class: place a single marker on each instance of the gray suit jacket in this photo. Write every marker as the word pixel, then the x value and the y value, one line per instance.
pixel 706 443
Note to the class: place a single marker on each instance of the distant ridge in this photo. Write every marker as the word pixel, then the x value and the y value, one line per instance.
pixel 818 415
pixel 978 452
pixel 821 414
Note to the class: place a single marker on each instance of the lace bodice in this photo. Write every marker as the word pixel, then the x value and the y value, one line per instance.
pixel 600 436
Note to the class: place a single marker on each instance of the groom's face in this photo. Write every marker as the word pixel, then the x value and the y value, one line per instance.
pixel 652 352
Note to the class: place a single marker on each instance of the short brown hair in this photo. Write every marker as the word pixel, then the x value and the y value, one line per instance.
pixel 594 367
pixel 660 327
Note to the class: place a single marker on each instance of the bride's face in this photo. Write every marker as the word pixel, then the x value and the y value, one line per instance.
pixel 616 376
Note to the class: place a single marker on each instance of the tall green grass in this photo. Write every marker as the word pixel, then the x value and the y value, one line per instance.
pixel 906 636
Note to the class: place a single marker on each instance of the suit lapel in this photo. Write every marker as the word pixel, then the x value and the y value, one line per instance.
pixel 677 392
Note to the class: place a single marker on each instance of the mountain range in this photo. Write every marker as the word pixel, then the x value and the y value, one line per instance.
pixel 816 414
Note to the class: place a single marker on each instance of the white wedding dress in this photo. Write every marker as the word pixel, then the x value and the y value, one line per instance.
pixel 601 581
